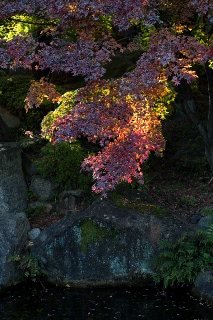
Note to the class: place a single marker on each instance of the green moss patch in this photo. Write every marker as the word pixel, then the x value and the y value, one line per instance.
pixel 139 206
pixel 93 232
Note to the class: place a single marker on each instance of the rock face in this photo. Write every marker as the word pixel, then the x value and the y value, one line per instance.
pixel 203 285
pixel 14 225
pixel 13 238
pixel 70 201
pixel 10 120
pixel 205 222
pixel 102 245
pixel 5 132
pixel 13 191
pixel 41 188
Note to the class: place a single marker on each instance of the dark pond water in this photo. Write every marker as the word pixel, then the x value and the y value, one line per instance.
pixel 28 302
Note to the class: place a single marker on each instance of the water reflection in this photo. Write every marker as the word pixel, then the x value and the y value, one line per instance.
pixel 33 303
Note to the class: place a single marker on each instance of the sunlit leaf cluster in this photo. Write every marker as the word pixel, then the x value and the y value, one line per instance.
pixel 126 128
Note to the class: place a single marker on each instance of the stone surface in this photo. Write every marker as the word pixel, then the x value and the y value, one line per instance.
pixel 34 233
pixel 203 285
pixel 13 239
pixel 70 201
pixel 5 132
pixel 42 188
pixel 103 245
pixel 205 222
pixel 13 191
pixel 10 120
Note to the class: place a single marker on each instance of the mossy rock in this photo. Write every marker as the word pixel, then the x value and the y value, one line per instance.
pixel 93 232
pixel 103 245
pixel 140 206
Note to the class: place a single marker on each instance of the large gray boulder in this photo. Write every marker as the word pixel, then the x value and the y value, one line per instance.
pixel 13 239
pixel 103 245
pixel 14 225
pixel 13 191
pixel 203 286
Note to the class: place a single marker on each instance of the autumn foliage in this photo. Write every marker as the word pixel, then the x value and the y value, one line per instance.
pixel 126 129
pixel 81 37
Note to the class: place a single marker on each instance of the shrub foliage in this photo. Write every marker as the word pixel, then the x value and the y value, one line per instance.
pixel 62 162
pixel 180 262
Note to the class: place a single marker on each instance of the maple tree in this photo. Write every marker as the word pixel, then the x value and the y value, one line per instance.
pixel 122 115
